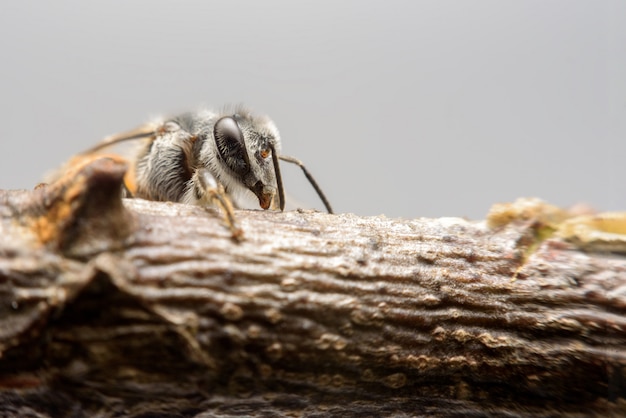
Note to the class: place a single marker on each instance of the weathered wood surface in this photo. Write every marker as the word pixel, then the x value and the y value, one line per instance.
pixel 135 308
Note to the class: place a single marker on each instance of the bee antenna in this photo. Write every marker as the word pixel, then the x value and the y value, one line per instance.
pixel 309 177
pixel 279 179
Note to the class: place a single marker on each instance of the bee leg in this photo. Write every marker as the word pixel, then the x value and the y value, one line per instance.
pixel 209 190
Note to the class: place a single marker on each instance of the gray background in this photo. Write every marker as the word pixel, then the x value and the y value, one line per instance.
pixel 407 108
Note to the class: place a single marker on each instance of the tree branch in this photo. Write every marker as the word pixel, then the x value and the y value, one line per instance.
pixel 135 307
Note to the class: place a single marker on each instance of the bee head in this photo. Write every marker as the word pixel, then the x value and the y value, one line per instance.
pixel 248 146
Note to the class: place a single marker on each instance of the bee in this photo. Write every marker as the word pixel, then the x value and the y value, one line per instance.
pixel 207 158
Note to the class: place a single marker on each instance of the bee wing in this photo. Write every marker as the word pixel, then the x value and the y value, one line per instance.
pixel 125 147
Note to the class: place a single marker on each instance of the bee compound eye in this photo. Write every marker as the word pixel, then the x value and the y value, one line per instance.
pixel 231 145
pixel 227 132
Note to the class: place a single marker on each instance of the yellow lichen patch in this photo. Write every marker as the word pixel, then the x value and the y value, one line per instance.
pixel 601 232
pixel 45 230
pixel 542 219
pixel 49 225
pixel 525 209
pixel 62 198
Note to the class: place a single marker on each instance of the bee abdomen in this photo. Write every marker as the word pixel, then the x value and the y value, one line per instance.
pixel 163 174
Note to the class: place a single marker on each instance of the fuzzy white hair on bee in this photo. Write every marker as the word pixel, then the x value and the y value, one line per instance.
pixel 238 148
pixel 191 157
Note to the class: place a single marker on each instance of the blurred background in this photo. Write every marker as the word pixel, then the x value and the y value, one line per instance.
pixel 404 108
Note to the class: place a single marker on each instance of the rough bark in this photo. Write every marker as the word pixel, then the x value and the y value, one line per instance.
pixel 135 308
